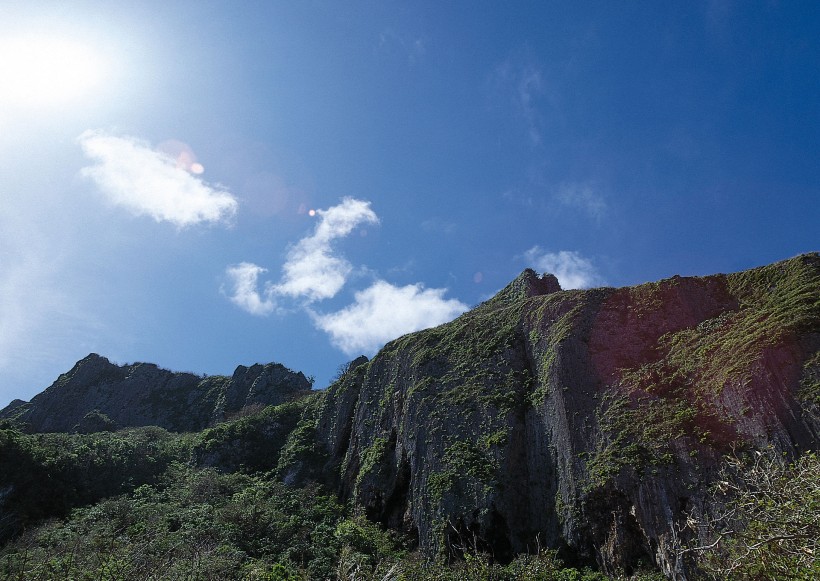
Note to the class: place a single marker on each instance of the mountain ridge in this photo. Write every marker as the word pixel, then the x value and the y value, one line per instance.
pixel 594 422
pixel 142 394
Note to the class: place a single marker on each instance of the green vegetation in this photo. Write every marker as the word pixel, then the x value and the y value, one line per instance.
pixel 138 504
pixel 764 522
pixel 251 443
pixel 467 458
pixel 551 319
pixel 465 360
pixel 496 439
pixel 151 514
pixel 301 456
pixel 544 566
pixel 465 463
pixel 810 381
pixel 46 475
pixel 95 421
pixel 637 431
pixel 675 396
pixel 194 524
pixel 775 303
pixel 372 458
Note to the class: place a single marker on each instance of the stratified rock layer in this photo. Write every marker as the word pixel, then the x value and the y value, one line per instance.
pixel 591 421
pixel 98 395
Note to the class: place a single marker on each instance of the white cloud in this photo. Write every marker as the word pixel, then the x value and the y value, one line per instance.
pixel 583 196
pixel 244 293
pixel 570 268
pixel 383 312
pixel 149 182
pixel 312 271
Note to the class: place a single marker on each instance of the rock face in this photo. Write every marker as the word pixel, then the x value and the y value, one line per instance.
pixel 98 395
pixel 591 421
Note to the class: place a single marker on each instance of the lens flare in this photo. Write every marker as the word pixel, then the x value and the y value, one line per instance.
pixel 182 154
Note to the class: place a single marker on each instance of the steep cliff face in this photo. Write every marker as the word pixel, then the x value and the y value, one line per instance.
pixel 592 421
pixel 98 395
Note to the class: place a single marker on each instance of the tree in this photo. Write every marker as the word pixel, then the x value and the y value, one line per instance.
pixel 768 523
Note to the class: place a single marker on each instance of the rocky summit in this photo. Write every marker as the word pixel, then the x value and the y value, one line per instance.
pixel 593 422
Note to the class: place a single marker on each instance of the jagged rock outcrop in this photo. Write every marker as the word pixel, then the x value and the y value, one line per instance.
pixel 97 395
pixel 591 421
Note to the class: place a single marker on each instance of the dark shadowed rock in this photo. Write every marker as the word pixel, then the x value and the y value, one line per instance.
pixel 142 394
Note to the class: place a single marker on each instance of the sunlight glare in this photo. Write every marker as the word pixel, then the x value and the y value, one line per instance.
pixel 38 71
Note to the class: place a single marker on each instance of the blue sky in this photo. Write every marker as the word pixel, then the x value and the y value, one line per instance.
pixel 207 184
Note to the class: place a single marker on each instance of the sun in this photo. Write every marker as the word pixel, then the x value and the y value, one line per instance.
pixel 39 70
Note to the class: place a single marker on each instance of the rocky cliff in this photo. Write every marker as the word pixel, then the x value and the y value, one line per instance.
pixel 97 395
pixel 589 420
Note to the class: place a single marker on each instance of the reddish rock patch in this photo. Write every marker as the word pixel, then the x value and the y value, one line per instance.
pixel 631 320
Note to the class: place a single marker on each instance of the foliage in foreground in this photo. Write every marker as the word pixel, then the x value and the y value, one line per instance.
pixel 46 475
pixel 202 524
pixel 133 505
pixel 768 526
pixel 196 524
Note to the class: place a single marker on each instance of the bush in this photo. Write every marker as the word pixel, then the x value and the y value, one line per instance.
pixel 767 522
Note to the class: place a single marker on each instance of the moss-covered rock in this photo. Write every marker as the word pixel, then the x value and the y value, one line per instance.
pixel 587 421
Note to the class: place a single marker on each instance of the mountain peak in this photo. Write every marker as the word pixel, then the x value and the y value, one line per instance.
pixel 528 284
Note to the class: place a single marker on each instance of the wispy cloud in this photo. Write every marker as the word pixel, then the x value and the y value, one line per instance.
pixel 29 303
pixel 570 268
pixel 148 182
pixel 439 225
pixel 525 86
pixel 244 291
pixel 529 88
pixel 413 48
pixel 584 196
pixel 383 312
pixel 312 270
